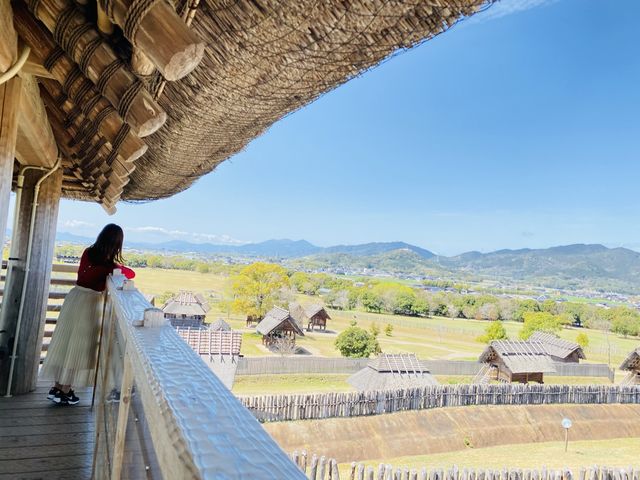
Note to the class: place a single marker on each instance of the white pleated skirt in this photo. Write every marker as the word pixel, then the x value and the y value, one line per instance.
pixel 72 353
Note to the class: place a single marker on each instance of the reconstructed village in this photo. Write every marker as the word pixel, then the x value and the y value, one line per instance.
pixel 281 359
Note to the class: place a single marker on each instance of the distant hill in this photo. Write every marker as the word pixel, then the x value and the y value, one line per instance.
pixel 575 266
pixel 377 248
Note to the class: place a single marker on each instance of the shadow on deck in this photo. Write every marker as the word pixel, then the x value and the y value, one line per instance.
pixel 39 439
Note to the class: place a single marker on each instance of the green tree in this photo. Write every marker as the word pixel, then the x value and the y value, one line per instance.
pixel 494 331
pixel 582 339
pixel 371 301
pixel 257 287
pixel 388 330
pixel 524 307
pixel 625 324
pixel 356 342
pixel 374 329
pixel 202 267
pixel 539 322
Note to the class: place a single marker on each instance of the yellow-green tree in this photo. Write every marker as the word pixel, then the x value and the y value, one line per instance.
pixel 257 287
pixel 539 322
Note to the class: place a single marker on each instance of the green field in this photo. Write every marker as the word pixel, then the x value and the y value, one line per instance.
pixel 428 338
pixel 618 452
pixel 308 383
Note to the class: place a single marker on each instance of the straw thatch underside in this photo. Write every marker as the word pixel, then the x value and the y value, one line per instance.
pixel 265 59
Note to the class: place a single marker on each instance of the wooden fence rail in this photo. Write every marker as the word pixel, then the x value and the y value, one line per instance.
pixel 301 365
pixel 275 408
pixel 322 468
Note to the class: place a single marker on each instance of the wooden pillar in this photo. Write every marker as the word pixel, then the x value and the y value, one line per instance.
pixel 9 105
pixel 37 287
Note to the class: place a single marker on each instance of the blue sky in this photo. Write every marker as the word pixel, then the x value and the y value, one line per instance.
pixel 517 128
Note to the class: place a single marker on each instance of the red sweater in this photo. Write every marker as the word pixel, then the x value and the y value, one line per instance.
pixel 94 276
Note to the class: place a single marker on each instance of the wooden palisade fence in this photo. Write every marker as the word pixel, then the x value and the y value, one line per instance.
pixel 322 468
pixel 273 408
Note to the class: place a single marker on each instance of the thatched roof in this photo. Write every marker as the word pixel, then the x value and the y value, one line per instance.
pixel 392 372
pixel 556 346
pixel 302 314
pixel 275 319
pixel 632 362
pixel 263 59
pixel 186 303
pixel 220 325
pixel 519 356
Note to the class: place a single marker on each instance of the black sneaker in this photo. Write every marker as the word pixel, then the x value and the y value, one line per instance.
pixel 52 393
pixel 62 398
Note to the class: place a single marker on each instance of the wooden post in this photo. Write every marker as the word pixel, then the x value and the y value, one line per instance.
pixel 123 417
pixel 9 104
pixel 162 36
pixel 37 287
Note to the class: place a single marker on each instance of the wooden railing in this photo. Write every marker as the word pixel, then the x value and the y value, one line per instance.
pixel 162 413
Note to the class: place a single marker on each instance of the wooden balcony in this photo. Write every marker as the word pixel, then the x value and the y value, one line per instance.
pixel 159 412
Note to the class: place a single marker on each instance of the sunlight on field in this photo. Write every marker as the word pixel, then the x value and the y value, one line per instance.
pixel 273 384
pixel 428 338
pixel 619 452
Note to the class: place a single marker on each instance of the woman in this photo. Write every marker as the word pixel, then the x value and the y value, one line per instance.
pixel 71 357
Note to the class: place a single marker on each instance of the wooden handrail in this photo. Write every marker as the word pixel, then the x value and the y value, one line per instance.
pixel 197 426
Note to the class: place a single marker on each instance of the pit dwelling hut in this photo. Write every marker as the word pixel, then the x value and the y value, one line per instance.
pixel 133 100
pixel 186 310
pixel 220 325
pixel 517 361
pixel 392 372
pixel 278 323
pixel 631 364
pixel 558 349
pixel 310 316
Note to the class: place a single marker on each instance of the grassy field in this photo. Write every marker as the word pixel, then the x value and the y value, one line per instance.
pixel 318 383
pixel 429 338
pixel 619 452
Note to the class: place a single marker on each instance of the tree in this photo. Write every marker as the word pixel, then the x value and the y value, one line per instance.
pixel 388 330
pixel 494 331
pixel 374 330
pixel 371 301
pixel 625 324
pixel 202 268
pixel 582 339
pixel 524 307
pixel 539 322
pixel 356 342
pixel 257 287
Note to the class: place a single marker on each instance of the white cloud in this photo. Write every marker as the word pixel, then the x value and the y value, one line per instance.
pixel 183 235
pixel 76 224
pixel 503 8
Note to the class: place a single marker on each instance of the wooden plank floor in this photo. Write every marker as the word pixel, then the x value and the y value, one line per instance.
pixel 42 440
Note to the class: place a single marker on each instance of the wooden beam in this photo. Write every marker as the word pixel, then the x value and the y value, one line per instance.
pixel 162 35
pixel 144 115
pixel 9 104
pixel 36 144
pixel 131 148
pixel 8 37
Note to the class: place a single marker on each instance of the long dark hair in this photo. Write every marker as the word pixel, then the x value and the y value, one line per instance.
pixel 107 250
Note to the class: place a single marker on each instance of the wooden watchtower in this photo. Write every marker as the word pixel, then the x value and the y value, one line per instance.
pixel 110 100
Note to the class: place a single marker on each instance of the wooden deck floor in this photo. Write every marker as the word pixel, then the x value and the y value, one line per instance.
pixel 42 440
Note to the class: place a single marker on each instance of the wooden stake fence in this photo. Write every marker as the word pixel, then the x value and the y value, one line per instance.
pixel 322 468
pixel 275 408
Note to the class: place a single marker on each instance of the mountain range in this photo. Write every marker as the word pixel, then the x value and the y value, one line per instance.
pixel 569 266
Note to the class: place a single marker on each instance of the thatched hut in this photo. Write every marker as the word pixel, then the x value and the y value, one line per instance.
pixel 278 323
pixel 392 372
pixel 631 364
pixel 186 310
pixel 517 361
pixel 558 349
pixel 220 326
pixel 310 316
